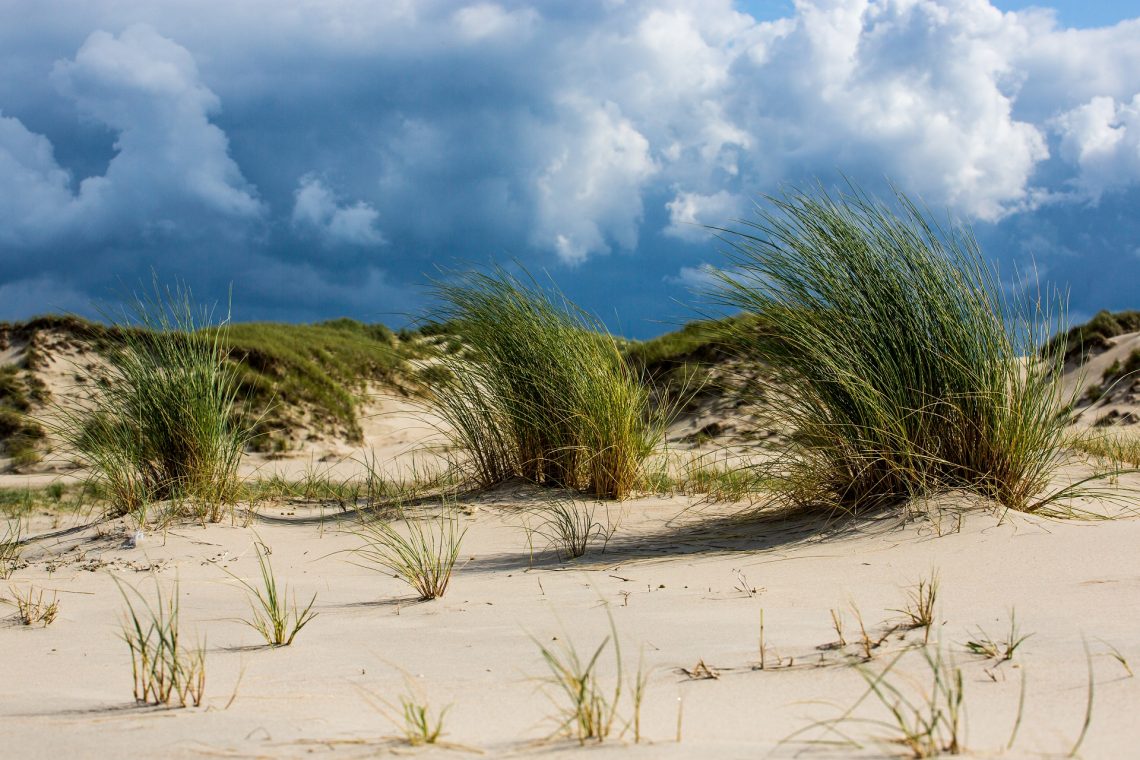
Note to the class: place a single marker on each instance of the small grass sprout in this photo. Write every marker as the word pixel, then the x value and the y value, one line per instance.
pixel 31 609
pixel 919 610
pixel 164 669
pixel 423 555
pixel 867 644
pixel 418 725
pixel 272 617
pixel 1115 654
pixel 587 708
pixel 569 527
pixel 982 644
pixel 837 624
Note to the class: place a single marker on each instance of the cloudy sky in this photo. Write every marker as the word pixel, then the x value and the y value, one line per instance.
pixel 325 156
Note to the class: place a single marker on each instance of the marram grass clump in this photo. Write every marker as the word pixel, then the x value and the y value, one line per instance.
pixel 542 391
pixel 165 424
pixel 905 369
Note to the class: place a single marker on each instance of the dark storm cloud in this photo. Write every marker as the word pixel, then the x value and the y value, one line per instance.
pixel 323 157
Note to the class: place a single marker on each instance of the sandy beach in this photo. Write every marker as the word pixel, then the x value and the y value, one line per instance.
pixel 686 584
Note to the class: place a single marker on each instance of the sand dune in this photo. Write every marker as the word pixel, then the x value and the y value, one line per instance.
pixel 686 582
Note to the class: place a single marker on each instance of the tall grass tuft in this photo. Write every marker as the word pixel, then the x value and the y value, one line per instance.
pixel 269 606
pixel 165 423
pixel 424 558
pixel 906 370
pixel 164 668
pixel 542 392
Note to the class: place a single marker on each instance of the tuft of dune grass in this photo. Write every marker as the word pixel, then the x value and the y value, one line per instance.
pixel 542 391
pixel 901 360
pixel 166 423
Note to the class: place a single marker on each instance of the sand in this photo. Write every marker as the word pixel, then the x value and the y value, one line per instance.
pixel 685 583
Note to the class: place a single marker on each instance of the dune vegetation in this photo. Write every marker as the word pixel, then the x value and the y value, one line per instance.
pixel 898 354
pixel 542 392
pixel 165 425
pixel 882 348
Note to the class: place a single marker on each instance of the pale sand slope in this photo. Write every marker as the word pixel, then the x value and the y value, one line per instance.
pixel 66 690
pixel 1120 402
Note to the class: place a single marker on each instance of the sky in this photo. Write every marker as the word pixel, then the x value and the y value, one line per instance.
pixel 325 159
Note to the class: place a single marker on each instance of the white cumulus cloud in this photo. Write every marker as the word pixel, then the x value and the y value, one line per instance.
pixel 317 209
pixel 171 173
pixel 1102 139
pixel 690 214
pixel 590 189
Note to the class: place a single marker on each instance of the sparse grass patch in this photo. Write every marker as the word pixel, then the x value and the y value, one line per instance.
pixel 1116 450
pixel 20 435
pixel 423 555
pixel 923 723
pixel 164 668
pixel 322 367
pixel 11 546
pixel 31 608
pixel 272 617
pixel 569 527
pixel 587 708
pixel 54 497
pixel 544 393
pixel 982 644
pixel 898 357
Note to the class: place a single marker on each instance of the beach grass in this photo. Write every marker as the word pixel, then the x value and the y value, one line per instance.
pixel 587 710
pixel 569 527
pixel 542 391
pixel 32 608
pixel 423 555
pixel 269 606
pixel 164 668
pixel 166 424
pixel 901 361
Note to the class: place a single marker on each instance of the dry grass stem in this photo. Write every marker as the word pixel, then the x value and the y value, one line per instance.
pixel 32 609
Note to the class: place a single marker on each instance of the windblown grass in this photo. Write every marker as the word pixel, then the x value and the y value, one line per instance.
pixel 424 558
pixel 901 361
pixel 569 527
pixel 165 424
pixel 164 668
pixel 543 392
pixel 272 618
